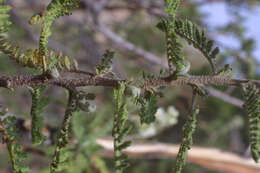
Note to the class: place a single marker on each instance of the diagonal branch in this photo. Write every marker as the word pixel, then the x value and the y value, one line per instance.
pixel 124 45
pixel 225 97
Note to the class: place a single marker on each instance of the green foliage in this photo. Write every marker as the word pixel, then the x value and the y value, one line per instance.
pixel 105 65
pixel 33 58
pixel 98 125
pixel 225 71
pixel 38 105
pixel 39 58
pixel 55 9
pixel 120 129
pixel 78 100
pixel 188 130
pixel 60 62
pixel 171 9
pixel 29 58
pixel 80 155
pixel 148 107
pixel 9 136
pixel 4 22
pixel 174 47
pixel 189 31
pixel 63 137
pixel 252 106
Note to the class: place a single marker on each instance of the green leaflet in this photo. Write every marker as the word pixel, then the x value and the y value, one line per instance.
pixel 33 58
pixel 4 18
pixel 188 131
pixel 171 6
pixel 252 106
pixel 120 129
pixel 55 9
pixel 148 107
pixel 7 129
pixel 146 101
pixel 39 58
pixel 105 65
pixel 171 9
pixel 225 71
pixel 29 58
pixel 174 47
pixel 38 104
pixel 190 32
pixel 57 60
pixel 9 135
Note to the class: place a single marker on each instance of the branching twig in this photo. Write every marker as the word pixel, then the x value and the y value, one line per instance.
pixel 124 45
pixel 66 82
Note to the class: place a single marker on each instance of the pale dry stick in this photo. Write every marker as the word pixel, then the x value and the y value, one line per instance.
pixel 210 158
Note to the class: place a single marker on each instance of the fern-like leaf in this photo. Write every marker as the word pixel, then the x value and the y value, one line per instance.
pixel 61 62
pixel 63 137
pixel 55 9
pixel 174 47
pixel 148 107
pixel 4 18
pixel 188 130
pixel 190 32
pixel 252 106
pixel 33 58
pixel 9 136
pixel 37 107
pixel 171 9
pixel 29 58
pixel 120 129
pixel 105 65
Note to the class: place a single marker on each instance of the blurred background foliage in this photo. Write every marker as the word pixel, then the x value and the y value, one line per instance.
pixel 221 124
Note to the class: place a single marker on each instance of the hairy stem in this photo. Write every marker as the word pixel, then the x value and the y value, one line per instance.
pixel 63 137
pixel 188 130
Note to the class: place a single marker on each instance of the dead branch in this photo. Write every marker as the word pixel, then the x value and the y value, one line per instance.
pixel 210 158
